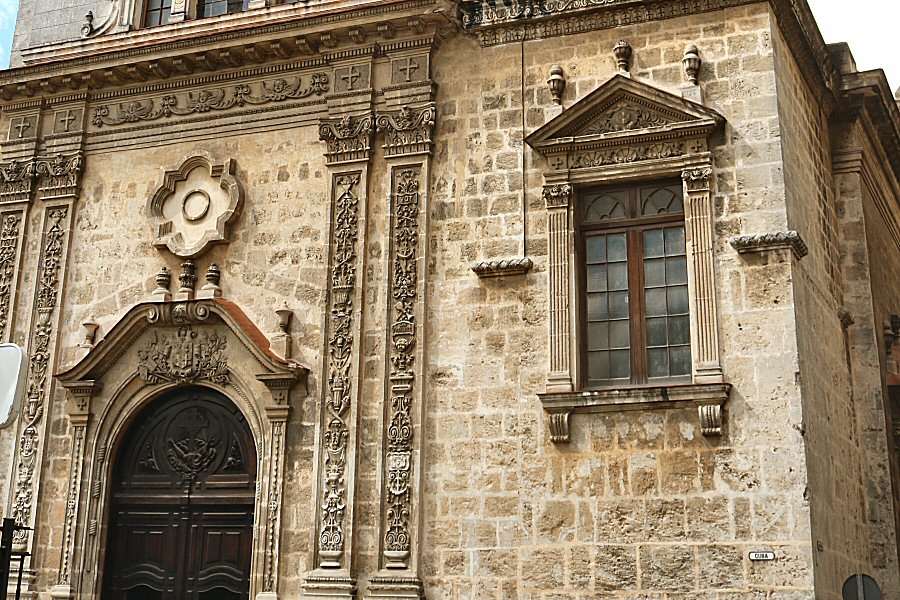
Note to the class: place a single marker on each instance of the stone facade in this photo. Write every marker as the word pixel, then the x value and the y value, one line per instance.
pixel 365 213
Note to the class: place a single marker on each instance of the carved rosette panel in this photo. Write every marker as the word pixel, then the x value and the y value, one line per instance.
pixel 402 373
pixel 9 252
pixel 39 368
pixel 338 393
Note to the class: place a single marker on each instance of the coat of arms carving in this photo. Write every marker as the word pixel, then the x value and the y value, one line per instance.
pixel 185 357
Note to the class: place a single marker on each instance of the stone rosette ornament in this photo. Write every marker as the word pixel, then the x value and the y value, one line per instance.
pixel 195 206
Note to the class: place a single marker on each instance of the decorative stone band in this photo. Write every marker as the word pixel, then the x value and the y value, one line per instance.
pixel 764 242
pixel 349 138
pixel 500 268
pixel 408 130
pixel 708 398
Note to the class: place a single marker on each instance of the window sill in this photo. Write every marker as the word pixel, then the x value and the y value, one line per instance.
pixel 709 398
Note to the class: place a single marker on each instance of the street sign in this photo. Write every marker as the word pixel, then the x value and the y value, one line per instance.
pixel 13 366
pixel 762 556
pixel 861 587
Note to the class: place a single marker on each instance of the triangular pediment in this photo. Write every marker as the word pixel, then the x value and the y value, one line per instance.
pixel 624 108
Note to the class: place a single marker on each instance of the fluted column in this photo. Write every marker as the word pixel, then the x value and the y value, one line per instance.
pixel 557 198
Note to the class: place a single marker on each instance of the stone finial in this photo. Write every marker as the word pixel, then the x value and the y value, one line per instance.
pixel 187 280
pixel 692 62
pixel 90 327
pixel 281 342
pixel 211 288
pixel 556 83
pixel 622 51
pixel 88 28
pixel 163 280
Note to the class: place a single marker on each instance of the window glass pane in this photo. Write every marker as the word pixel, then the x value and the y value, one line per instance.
pixel 615 247
pixel 619 364
pixel 211 8
pixel 598 336
pixel 595 247
pixel 653 243
pixel 655 272
pixel 596 278
pixel 597 307
pixel 661 201
pixel 598 366
pixel 658 360
pixel 667 316
pixel 618 276
pixel 618 305
pixel 605 207
pixel 619 334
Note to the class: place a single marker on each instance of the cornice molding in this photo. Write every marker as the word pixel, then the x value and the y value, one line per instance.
pixel 763 242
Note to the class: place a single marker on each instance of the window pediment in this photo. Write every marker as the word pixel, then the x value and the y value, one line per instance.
pixel 623 121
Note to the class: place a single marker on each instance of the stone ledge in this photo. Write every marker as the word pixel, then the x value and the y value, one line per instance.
pixel 709 398
pixel 500 268
pixel 762 242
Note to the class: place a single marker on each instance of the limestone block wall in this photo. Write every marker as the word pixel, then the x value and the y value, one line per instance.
pixel 637 502
pixel 829 426
pixel 42 22
pixel 278 257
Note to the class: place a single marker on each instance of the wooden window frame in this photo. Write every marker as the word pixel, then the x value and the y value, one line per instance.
pixel 633 225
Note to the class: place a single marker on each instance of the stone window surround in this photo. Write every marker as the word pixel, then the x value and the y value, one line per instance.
pixel 707 391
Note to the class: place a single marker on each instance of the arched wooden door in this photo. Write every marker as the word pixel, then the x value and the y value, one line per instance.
pixel 181 519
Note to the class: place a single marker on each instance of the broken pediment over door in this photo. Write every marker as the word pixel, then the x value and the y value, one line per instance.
pixel 625 121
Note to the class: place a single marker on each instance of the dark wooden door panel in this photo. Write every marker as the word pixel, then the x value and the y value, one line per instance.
pixel 181 526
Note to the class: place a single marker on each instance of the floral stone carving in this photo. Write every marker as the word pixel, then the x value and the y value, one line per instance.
pixel 195 206
pixel 184 358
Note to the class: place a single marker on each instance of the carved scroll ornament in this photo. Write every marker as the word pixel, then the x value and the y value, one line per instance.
pixel 407 131
pixel 348 138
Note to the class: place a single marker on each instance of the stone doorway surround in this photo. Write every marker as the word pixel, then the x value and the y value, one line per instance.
pixel 157 347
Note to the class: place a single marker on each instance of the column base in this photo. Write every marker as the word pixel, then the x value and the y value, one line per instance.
pixel 267 596
pixel 63 592
pixel 329 587
pixel 394 587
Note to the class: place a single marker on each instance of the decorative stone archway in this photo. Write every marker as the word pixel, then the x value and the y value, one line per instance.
pixel 157 347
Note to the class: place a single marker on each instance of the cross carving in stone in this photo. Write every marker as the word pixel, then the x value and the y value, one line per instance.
pixel 408 69
pixel 23 126
pixel 351 77
pixel 66 119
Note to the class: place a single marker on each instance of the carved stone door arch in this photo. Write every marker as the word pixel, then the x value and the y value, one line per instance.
pixel 181 512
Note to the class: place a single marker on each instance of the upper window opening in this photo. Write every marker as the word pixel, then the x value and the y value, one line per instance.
pixel 159 12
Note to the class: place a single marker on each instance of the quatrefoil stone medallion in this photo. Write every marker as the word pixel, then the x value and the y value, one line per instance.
pixel 195 206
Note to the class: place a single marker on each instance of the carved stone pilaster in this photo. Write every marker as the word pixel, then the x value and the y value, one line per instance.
pixel 79 402
pixel 349 138
pixel 39 380
pixel 11 232
pixel 557 199
pixel 699 237
pixel 408 130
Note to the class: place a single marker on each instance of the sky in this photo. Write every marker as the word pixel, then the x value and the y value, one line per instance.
pixel 868 27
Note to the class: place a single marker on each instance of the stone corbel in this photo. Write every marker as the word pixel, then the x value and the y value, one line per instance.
pixel 557 198
pixel 699 229
pixel 769 242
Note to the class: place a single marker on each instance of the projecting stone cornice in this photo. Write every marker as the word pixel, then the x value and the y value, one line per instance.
pixel 254 41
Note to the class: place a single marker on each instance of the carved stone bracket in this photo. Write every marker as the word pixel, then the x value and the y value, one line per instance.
pixel 502 268
pixel 194 207
pixel 767 242
pixel 348 138
pixel 708 398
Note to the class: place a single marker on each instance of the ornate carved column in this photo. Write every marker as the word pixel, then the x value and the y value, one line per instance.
pixel 557 199
pixel 408 148
pixel 58 178
pixel 701 271
pixel 348 142
pixel 16 181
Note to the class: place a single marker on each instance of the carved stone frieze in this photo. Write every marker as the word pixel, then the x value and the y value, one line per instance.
pixel 195 206
pixel 402 376
pixel 627 154
pixel 185 357
pixel 348 138
pixel 39 368
pixel 763 242
pixel 339 393
pixel 211 100
pixel 408 130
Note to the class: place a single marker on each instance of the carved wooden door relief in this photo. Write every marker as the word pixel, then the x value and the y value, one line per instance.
pixel 181 522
